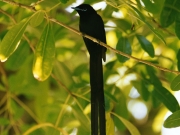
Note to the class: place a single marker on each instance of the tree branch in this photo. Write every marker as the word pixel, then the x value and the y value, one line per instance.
pixel 32 8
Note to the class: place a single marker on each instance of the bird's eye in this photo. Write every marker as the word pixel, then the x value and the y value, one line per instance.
pixel 85 9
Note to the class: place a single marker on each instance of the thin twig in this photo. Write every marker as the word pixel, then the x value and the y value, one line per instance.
pixel 27 109
pixel 37 3
pixel 32 8
pixel 64 87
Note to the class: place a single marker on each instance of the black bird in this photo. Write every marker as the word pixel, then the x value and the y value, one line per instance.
pixel 92 24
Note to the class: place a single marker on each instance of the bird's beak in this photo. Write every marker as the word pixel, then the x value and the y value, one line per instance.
pixel 75 8
pixel 78 9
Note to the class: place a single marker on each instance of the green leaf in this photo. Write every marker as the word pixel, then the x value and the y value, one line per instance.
pixel 146 45
pixel 166 98
pixel 11 40
pixel 141 88
pixel 80 69
pixel 37 18
pixel 63 73
pixel 175 84
pixel 18 57
pixel 177 25
pixel 132 129
pixel 178 60
pixel 162 93
pixel 173 120
pixel 155 101
pixel 110 96
pixel 142 18
pixel 4 121
pixel 109 125
pixel 64 1
pixel 168 13
pixel 118 109
pixel 153 6
pixel 78 113
pixel 110 65
pixel 44 54
pixel 123 45
pixel 154 79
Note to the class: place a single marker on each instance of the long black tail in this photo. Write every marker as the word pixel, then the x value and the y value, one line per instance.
pixel 97 96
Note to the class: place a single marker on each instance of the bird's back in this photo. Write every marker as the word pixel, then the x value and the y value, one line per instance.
pixel 93 25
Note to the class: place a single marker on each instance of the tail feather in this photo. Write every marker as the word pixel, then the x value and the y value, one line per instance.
pixel 97 95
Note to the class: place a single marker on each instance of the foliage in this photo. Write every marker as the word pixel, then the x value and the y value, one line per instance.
pixel 44 84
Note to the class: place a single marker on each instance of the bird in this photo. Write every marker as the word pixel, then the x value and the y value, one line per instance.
pixel 92 24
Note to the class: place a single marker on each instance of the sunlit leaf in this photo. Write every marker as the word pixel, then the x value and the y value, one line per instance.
pixel 44 54
pixel 124 46
pixel 175 84
pixel 177 25
pixel 11 40
pixel 173 120
pixel 109 125
pixel 146 45
pixel 132 129
pixel 37 18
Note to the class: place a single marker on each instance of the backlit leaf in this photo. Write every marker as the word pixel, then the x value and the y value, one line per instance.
pixel 11 40
pixel 37 18
pixel 44 54
pixel 132 129
pixel 109 125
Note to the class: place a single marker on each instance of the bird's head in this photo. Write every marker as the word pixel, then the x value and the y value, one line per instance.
pixel 84 10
